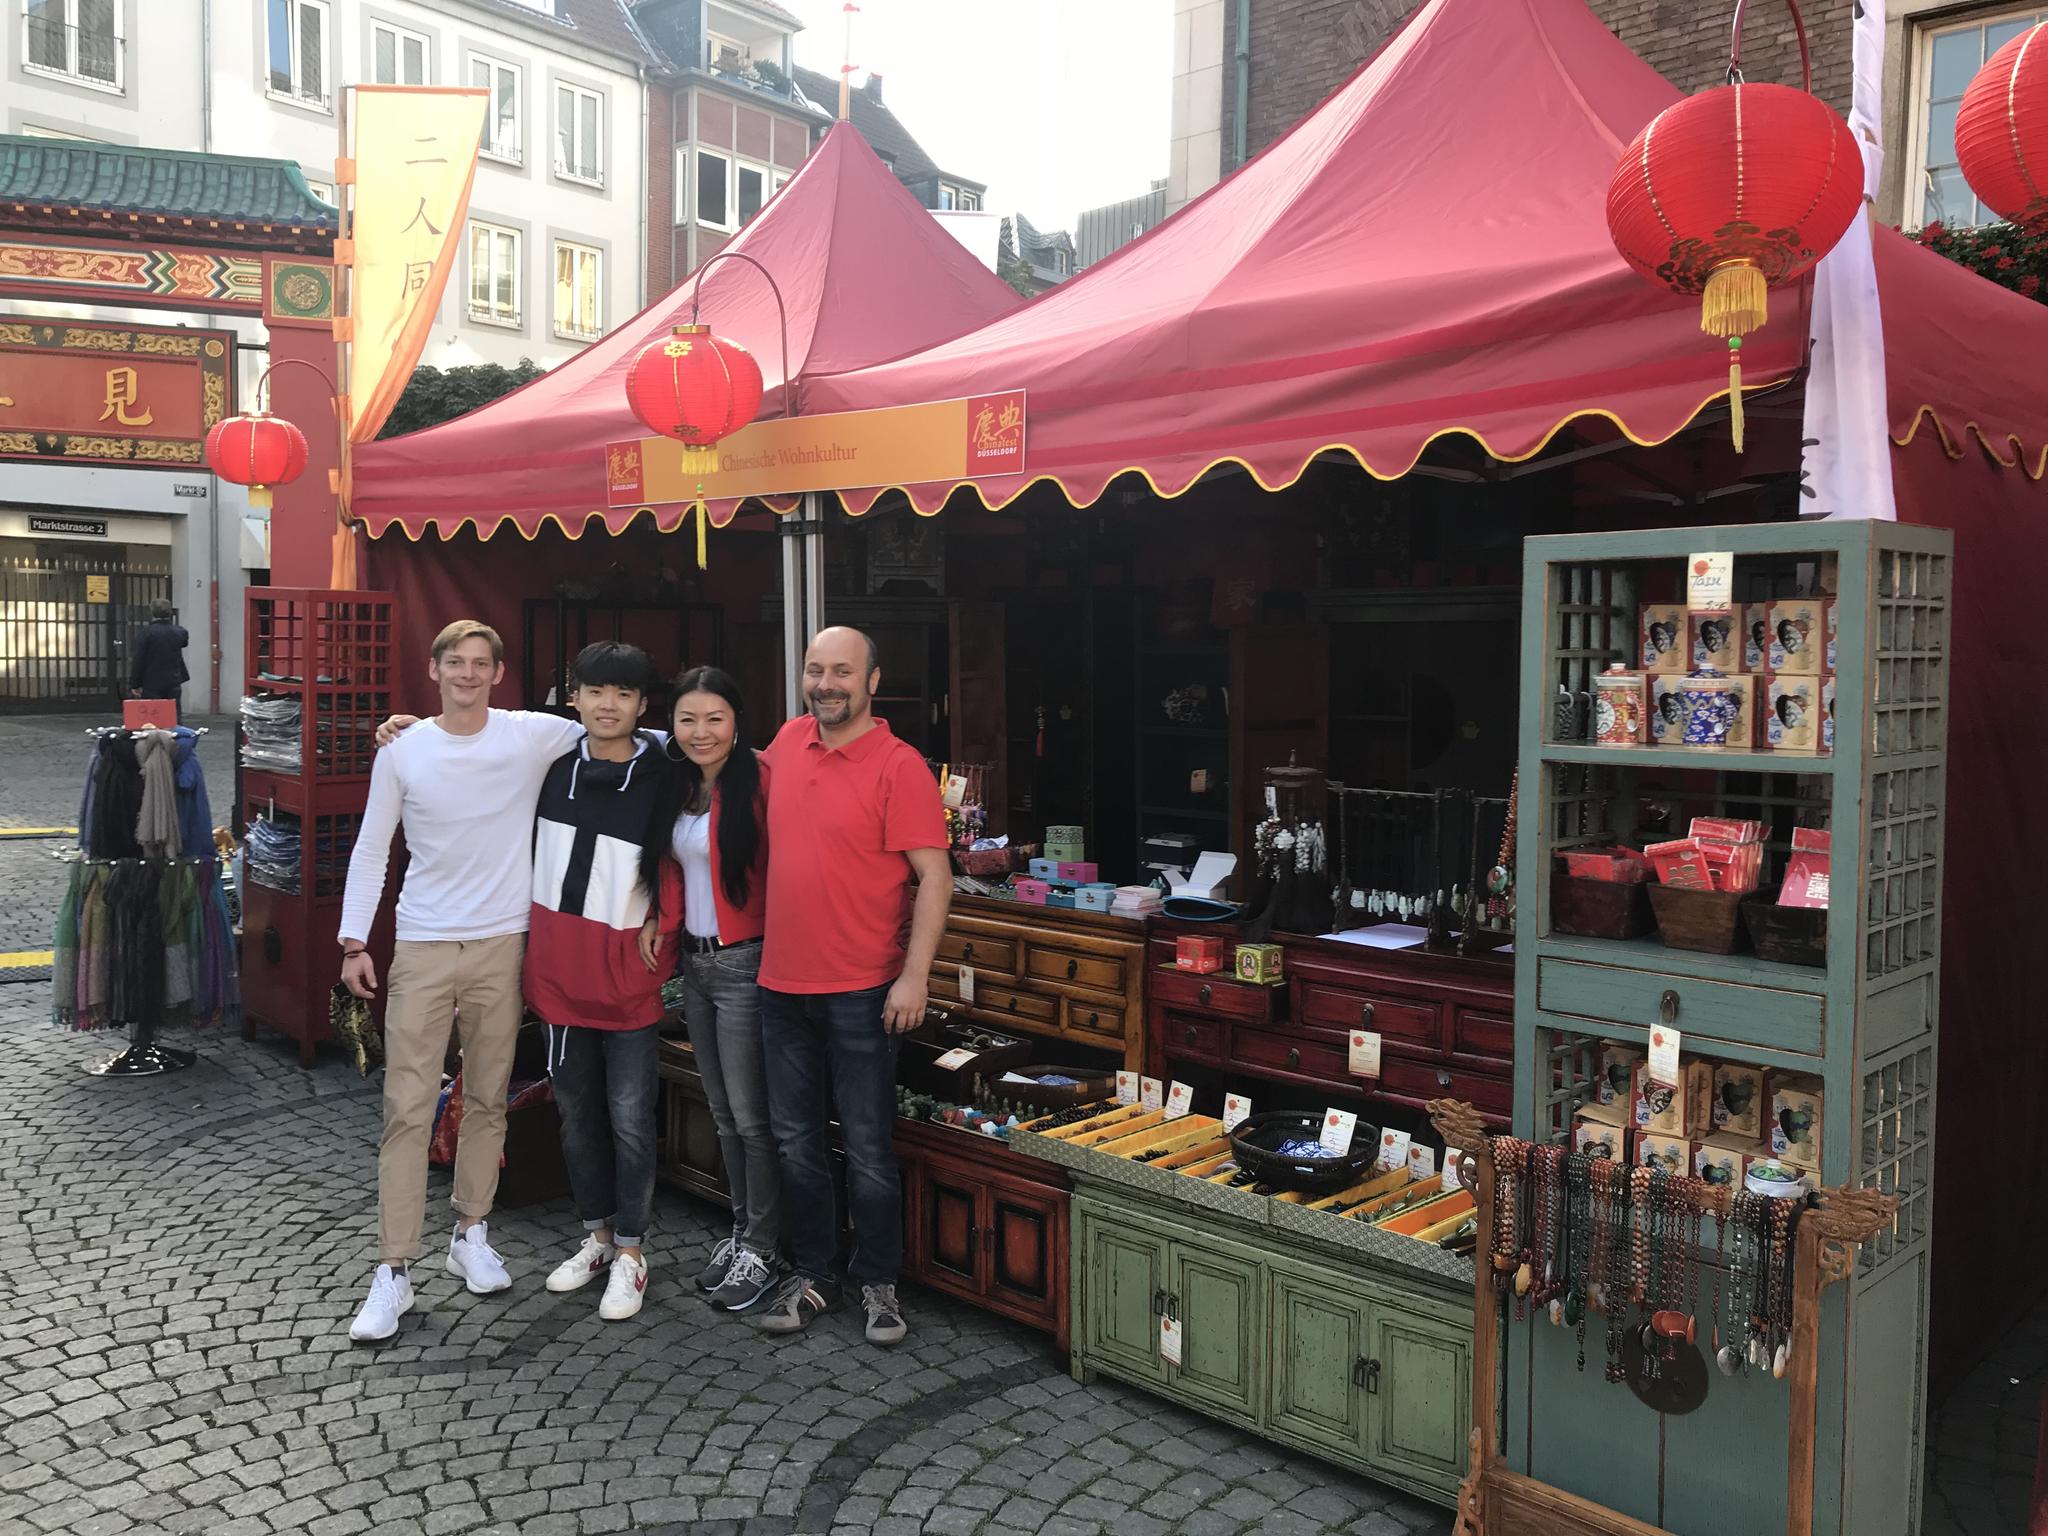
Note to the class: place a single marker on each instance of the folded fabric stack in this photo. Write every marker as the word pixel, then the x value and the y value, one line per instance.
pixel 273 852
pixel 270 734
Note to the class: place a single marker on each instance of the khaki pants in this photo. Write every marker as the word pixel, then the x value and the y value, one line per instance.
pixel 430 982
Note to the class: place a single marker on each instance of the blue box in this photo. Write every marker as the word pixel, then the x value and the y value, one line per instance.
pixel 1060 899
pixel 1045 869
pixel 1094 898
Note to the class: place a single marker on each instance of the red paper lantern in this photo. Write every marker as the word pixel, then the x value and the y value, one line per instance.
pixel 1730 193
pixel 696 388
pixel 258 451
pixel 2002 131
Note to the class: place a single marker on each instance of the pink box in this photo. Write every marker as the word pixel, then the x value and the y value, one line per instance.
pixel 1031 891
pixel 1079 874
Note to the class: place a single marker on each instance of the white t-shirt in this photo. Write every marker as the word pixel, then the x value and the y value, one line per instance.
pixel 693 852
pixel 466 803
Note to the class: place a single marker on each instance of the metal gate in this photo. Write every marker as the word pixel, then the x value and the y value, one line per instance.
pixel 65 626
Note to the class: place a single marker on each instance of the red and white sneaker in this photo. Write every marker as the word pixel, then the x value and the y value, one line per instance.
pixel 577 1271
pixel 625 1290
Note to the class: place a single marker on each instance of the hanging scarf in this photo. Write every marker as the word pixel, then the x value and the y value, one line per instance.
pixel 156 824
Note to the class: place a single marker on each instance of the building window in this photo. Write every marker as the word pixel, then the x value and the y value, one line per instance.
pixel 579 291
pixel 298 51
pixel 714 190
pixel 1059 261
pixel 324 190
pixel 31 131
pixel 948 197
pixel 493 273
pixel 726 53
pixel 579 134
pixel 753 189
pixel 970 202
pixel 398 56
pixel 1949 58
pixel 80 39
pixel 501 117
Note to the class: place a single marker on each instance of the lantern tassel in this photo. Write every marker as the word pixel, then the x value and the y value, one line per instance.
pixel 703 535
pixel 1735 390
pixel 1736 301
pixel 259 497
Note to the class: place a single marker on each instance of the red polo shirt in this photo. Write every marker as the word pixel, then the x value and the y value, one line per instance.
pixel 839 824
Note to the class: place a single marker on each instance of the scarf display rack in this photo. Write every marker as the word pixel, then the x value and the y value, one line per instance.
pixel 1495 1500
pixel 143 933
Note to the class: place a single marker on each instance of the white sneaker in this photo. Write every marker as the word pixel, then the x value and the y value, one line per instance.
pixel 390 1299
pixel 476 1262
pixel 625 1289
pixel 588 1262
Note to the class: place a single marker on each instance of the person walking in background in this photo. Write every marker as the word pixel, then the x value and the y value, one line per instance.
pixel 463 786
pixel 714 878
pixel 606 808
pixel 853 815
pixel 156 658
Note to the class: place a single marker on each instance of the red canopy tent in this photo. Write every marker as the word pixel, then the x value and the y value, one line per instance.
pixel 865 274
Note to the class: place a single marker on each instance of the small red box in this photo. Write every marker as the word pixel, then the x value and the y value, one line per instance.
pixel 1617 866
pixel 1032 891
pixel 149 714
pixel 1079 874
pixel 1192 954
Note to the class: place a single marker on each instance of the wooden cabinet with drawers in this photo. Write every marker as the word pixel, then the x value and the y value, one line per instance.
pixel 1067 976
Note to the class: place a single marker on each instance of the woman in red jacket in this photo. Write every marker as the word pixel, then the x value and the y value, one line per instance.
pixel 713 874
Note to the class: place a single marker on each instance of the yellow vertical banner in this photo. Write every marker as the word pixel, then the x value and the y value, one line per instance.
pixel 414 160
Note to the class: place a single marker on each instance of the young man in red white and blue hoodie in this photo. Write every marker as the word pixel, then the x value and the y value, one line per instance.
pixel 601 806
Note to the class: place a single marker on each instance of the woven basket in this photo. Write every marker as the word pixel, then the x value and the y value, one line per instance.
pixel 1255 1139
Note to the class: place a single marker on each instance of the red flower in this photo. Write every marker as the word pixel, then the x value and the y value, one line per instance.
pixel 2030 285
pixel 1993 252
pixel 2006 263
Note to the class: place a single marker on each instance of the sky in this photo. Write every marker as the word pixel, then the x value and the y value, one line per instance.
pixel 1059 105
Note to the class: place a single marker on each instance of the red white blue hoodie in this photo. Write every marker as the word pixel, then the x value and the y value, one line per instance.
pixel 583 965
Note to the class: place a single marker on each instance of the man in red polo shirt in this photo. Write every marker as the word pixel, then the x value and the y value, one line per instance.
pixel 853 815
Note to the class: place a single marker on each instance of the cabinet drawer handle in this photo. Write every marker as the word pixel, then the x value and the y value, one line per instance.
pixel 1173 1306
pixel 1191 1034
pixel 988 1239
pixel 1443 1078
pixel 1094 1021
pixel 1202 996
pixel 1293 1056
pixel 1667 1008
pixel 1366 1374
pixel 1013 1002
pixel 1073 969
pixel 1365 1015
pixel 967 953
pixel 973 1236
pixel 1158 1303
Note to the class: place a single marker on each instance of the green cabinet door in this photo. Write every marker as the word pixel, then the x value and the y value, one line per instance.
pixel 1217 1293
pixel 1320 1345
pixel 1122 1269
pixel 1418 1382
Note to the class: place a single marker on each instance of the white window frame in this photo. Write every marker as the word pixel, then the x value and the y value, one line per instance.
pixel 400 36
pixel 577 95
pixel 324 190
pixel 71 74
pixel 492 147
pixel 1921 104
pixel 969 202
pixel 714 42
pixel 323 100
pixel 594 258
pixel 488 314
pixel 732 188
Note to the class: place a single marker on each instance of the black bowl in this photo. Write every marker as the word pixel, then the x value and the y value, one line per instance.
pixel 1257 1138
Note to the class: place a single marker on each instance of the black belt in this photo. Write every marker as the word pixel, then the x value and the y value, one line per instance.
pixel 692 945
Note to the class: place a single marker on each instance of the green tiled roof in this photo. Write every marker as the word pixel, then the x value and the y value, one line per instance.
pixel 225 189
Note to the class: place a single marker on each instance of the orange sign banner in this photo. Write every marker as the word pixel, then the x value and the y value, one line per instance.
pixel 77 392
pixel 851 450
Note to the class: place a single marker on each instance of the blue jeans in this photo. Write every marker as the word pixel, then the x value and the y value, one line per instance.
pixel 823 1051
pixel 605 1087
pixel 722 1006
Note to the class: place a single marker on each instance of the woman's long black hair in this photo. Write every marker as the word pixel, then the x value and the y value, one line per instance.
pixel 739 792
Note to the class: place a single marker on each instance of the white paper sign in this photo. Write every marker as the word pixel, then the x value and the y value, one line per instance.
pixel 1365 1053
pixel 1421 1163
pixel 1151 1092
pixel 1663 1067
pixel 956 791
pixel 1127 1087
pixel 1235 1107
pixel 955 1059
pixel 1452 1156
pixel 1393 1150
pixel 1180 1098
pixel 1710 580
pixel 1169 1340
pixel 1338 1125
pixel 967 984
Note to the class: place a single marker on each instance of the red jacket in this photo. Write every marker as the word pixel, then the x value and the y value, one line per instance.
pixel 735 924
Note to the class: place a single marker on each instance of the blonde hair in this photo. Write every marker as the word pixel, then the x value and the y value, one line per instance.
pixel 468 629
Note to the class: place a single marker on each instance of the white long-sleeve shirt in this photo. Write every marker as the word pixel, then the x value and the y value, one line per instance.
pixel 466 803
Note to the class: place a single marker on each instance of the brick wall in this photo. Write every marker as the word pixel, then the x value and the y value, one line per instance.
pixel 663 112
pixel 1302 50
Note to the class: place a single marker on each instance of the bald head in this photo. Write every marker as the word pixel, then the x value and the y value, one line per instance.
pixel 841 669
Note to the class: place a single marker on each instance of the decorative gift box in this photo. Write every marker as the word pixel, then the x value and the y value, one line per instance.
pixel 1799 636
pixel 1675 1109
pixel 1095 898
pixel 1045 869
pixel 1064 834
pixel 1665 712
pixel 1619 708
pixel 1198 954
pixel 1597 1139
pixel 1032 891
pixel 1616 1082
pixel 1796 1120
pixel 1740 1094
pixel 1673 1154
pixel 1259 963
pixel 1755 619
pixel 1792 713
pixel 1713 640
pixel 1806 872
pixel 1661 638
pixel 1058 853
pixel 1827 705
pixel 1079 873
pixel 1724 1160
pixel 1063 899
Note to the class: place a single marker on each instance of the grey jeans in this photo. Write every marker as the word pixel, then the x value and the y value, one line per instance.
pixel 722 1006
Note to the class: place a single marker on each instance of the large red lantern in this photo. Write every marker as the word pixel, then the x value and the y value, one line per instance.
pixel 698 389
pixel 258 451
pixel 2002 131
pixel 1730 193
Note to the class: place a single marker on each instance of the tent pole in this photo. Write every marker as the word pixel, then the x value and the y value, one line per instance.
pixel 814 571
pixel 792 532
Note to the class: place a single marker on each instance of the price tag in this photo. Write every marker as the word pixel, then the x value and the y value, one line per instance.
pixel 1180 1098
pixel 1663 1068
pixel 1127 1087
pixel 967 984
pixel 1272 800
pixel 956 791
pixel 1338 1125
pixel 1710 580
pixel 1198 782
pixel 1365 1053
pixel 1151 1093
pixel 955 1059
pixel 1235 1107
pixel 1169 1340
pixel 1451 1159
pixel 1421 1164
pixel 1393 1150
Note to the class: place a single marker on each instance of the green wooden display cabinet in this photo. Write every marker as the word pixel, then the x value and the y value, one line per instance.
pixel 1864 1022
pixel 1320 1333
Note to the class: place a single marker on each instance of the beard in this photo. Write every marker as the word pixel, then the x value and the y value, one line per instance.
pixel 830 708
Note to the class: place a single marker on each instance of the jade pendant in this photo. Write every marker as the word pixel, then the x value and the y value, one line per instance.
pixel 1729 1361
pixel 1524 1278
pixel 1574 1308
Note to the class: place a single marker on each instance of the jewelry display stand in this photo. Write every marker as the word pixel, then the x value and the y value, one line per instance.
pixel 1494 1500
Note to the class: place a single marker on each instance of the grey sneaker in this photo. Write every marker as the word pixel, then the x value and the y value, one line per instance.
pixel 746 1284
pixel 721 1264
pixel 796 1302
pixel 885 1316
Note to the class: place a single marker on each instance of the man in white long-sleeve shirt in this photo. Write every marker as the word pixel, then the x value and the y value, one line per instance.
pixel 463 785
